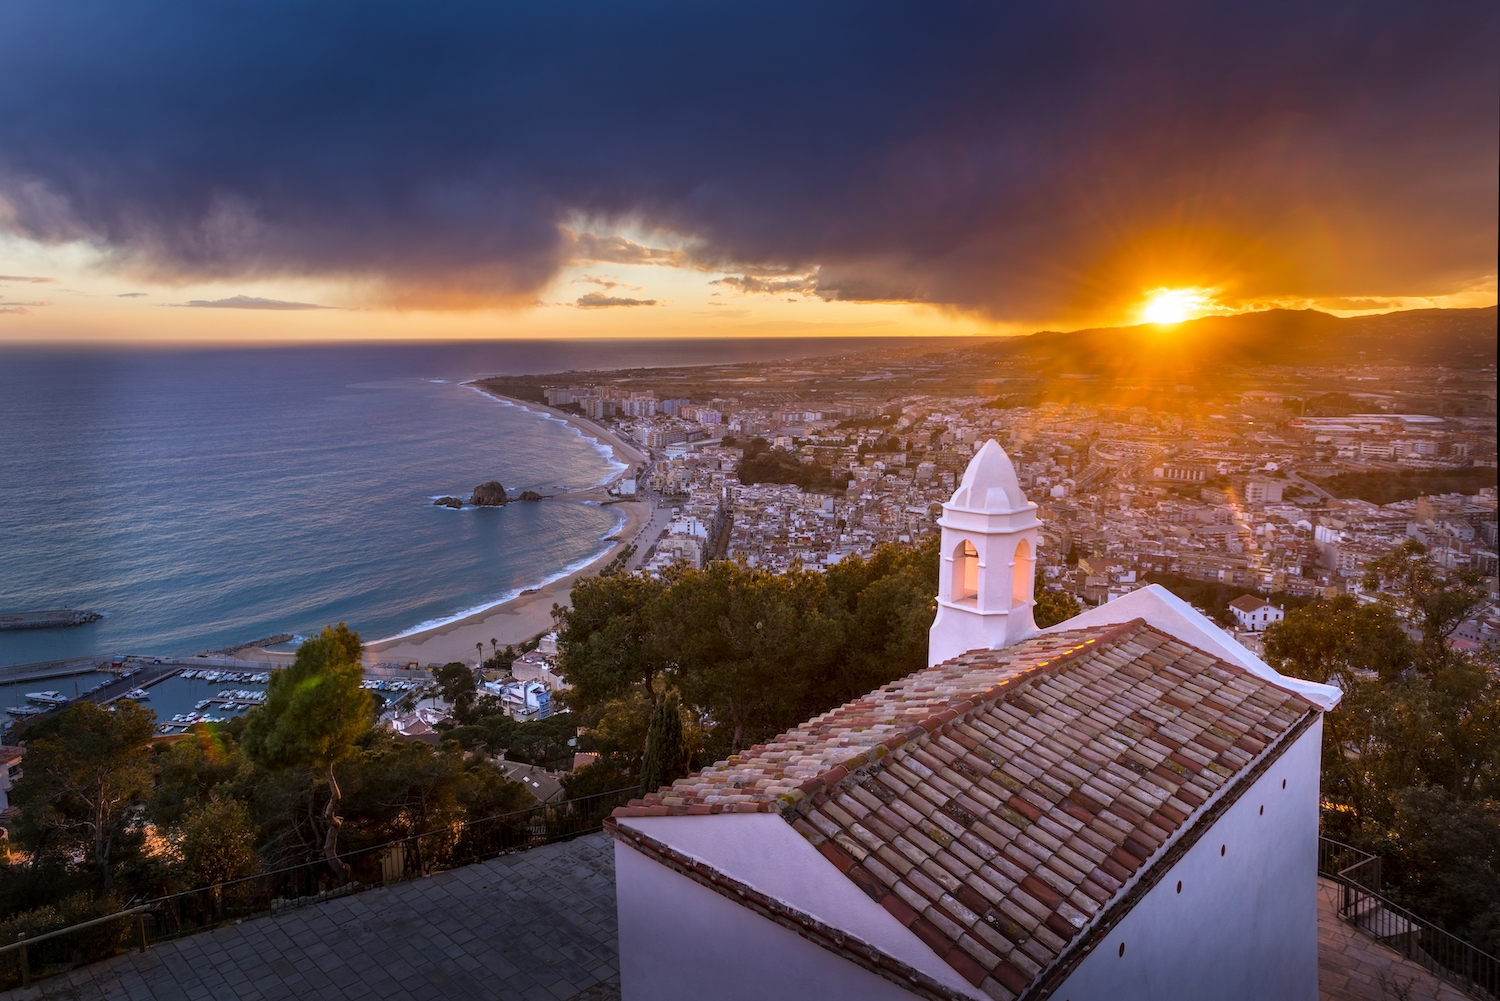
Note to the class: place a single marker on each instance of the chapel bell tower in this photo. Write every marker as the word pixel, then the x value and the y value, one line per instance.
pixel 988 567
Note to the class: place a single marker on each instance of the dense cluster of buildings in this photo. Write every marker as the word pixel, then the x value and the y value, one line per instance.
pixel 1231 496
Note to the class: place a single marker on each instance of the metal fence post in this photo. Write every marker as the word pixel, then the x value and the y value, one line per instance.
pixel 25 966
pixel 140 924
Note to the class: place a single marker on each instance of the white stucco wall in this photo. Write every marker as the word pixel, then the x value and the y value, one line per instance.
pixel 763 851
pixel 681 941
pixel 1245 924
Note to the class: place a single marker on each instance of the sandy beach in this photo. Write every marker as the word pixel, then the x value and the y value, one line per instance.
pixel 529 614
pixel 522 618
pixel 623 450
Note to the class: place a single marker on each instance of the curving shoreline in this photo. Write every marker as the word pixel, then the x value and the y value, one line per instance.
pixel 528 614
pixel 623 451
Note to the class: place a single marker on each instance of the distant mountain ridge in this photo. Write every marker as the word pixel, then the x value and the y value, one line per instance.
pixel 1458 338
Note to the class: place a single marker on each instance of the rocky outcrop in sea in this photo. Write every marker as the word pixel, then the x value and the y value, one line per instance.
pixel 489 494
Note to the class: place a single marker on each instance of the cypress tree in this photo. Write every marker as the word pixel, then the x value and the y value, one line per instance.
pixel 667 753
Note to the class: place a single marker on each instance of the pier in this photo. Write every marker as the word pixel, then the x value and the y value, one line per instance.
pixel 51 618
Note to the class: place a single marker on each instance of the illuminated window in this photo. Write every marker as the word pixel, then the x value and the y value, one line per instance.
pixel 1022 579
pixel 965 571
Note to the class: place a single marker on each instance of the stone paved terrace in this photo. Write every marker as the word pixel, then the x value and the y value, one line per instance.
pixel 538 926
pixel 1352 966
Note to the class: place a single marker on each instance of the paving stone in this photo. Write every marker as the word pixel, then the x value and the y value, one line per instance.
pixel 463 933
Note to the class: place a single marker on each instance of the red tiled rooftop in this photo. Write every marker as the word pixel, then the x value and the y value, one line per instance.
pixel 995 804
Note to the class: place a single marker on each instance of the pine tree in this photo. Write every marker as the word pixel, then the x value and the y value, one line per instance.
pixel 666 747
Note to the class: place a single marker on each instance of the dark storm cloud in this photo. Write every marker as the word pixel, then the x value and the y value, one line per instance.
pixel 1031 161
pixel 769 284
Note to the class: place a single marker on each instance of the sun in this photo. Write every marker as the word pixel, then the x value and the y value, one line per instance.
pixel 1173 305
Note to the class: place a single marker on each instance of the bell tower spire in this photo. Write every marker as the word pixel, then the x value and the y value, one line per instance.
pixel 988 561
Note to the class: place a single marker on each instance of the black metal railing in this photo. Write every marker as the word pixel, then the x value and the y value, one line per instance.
pixel 1360 902
pixel 189 911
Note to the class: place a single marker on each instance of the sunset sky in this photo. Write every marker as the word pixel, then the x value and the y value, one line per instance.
pixel 232 171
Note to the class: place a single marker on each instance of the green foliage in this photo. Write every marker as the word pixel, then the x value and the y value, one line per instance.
pixel 600 777
pixel 396 788
pixel 1385 487
pixel 218 842
pixel 1331 405
pixel 608 638
pixel 1436 601
pixel 616 730
pixel 64 910
pixel 486 792
pixel 1051 607
pixel 1411 756
pixel 667 753
pixel 1339 641
pixel 535 742
pixel 87 770
pixel 1441 857
pixel 457 682
pixel 314 713
pixel 192 767
pixel 315 710
pixel 761 464
pixel 751 652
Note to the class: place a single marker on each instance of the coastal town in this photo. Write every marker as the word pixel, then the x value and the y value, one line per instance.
pixel 1283 487
pixel 1247 496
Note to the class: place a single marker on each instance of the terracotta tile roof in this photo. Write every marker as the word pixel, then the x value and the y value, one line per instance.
pixel 1250 603
pixel 996 804
pixel 771 776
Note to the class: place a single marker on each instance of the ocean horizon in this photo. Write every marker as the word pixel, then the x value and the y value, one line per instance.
pixel 201 499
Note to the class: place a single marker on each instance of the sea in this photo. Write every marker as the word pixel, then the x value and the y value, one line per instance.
pixel 205 498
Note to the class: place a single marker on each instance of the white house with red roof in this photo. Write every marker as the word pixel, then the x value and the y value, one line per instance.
pixel 1124 805
pixel 1255 614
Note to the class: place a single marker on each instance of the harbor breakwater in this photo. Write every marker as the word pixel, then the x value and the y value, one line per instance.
pixel 51 618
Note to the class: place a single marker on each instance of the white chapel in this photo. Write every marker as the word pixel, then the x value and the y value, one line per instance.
pixel 1120 806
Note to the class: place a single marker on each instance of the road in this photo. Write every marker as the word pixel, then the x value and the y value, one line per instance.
pixel 1291 474
pixel 661 516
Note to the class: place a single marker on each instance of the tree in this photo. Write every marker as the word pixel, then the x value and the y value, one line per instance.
pixel 1436 602
pixel 86 772
pixel 611 638
pixel 1411 756
pixel 749 643
pixel 396 788
pixel 189 772
pixel 218 842
pixel 314 714
pixel 667 753
pixel 1052 607
pixel 881 610
pixel 457 683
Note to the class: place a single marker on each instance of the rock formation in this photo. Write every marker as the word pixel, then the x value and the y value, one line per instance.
pixel 530 495
pixel 452 502
pixel 489 494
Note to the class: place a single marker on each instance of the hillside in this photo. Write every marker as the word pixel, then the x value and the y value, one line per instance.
pixel 1458 338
